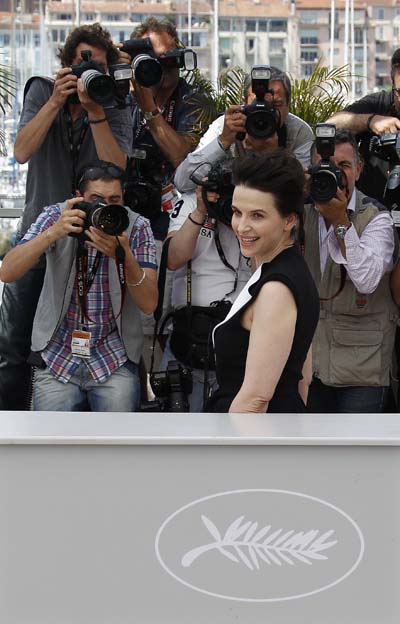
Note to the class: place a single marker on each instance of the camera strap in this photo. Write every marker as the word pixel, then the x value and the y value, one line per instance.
pixel 225 261
pixel 85 278
pixel 162 274
pixel 75 148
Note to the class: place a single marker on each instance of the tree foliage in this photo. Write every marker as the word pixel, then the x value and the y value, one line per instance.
pixel 7 92
pixel 320 95
pixel 209 100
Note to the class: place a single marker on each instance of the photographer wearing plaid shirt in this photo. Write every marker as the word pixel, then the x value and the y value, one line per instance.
pixel 87 327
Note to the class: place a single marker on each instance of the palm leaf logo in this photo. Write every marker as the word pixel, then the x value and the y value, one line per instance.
pixel 244 542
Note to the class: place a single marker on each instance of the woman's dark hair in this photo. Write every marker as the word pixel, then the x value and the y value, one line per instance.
pixel 92 34
pixel 277 173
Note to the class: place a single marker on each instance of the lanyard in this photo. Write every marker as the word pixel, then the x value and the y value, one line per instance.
pixel 75 148
pixel 225 261
pixel 85 277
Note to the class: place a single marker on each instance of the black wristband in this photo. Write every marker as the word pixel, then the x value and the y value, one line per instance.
pixel 193 221
pixel 96 121
pixel 369 122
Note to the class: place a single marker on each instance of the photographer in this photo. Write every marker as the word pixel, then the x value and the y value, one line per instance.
pixel 203 290
pixel 60 130
pixel 163 118
pixel 374 114
pixel 349 246
pixel 100 271
pixel 220 142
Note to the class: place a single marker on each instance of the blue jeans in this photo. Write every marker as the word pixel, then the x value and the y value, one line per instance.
pixel 197 395
pixel 324 399
pixel 119 393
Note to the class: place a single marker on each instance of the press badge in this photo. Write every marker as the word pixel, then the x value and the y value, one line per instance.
pixel 80 343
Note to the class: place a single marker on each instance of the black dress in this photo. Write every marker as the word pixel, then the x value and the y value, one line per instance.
pixel 232 340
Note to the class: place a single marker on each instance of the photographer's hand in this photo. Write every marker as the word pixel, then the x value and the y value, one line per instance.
pixel 234 122
pixel 65 85
pixel 95 111
pixel 335 211
pixel 384 125
pixel 71 221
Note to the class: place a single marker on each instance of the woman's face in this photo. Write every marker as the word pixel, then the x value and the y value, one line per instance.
pixel 261 230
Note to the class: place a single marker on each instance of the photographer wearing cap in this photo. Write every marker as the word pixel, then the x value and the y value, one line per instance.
pixel 349 247
pixel 100 272
pixel 374 114
pixel 60 130
pixel 229 136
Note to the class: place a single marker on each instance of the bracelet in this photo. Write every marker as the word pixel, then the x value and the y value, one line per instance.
pixel 369 122
pixel 140 281
pixel 193 221
pixel 96 121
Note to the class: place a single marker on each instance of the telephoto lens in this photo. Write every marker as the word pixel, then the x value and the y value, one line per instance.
pixel 323 186
pixel 101 88
pixel 147 70
pixel 113 219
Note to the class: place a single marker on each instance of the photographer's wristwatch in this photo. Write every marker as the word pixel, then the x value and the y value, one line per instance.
pixel 150 115
pixel 340 230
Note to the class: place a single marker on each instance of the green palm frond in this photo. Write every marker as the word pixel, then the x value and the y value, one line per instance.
pixel 320 95
pixel 209 100
pixel 7 92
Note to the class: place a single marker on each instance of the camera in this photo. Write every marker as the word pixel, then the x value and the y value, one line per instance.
pixel 99 86
pixel 148 68
pixel 143 188
pixel 263 119
pixel 107 90
pixel 387 147
pixel 171 388
pixel 216 178
pixel 326 177
pixel 113 219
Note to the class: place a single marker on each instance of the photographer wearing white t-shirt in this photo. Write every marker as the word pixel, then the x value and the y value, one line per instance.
pixel 216 274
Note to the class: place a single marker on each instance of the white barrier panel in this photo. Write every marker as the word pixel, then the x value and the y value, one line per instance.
pixel 199 519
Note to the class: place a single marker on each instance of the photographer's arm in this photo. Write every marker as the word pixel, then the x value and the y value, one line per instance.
pixel 174 146
pixel 26 255
pixel 107 147
pixel 31 136
pixel 358 122
pixel 184 240
pixel 213 147
pixel 271 321
pixel 141 281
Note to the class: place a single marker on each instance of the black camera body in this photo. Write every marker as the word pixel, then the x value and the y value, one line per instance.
pixel 216 178
pixel 143 188
pixel 148 68
pixel 263 119
pixel 113 219
pixel 109 90
pixel 171 388
pixel 387 147
pixel 325 176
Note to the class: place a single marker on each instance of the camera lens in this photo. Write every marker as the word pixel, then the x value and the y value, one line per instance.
pixel 100 87
pixel 323 186
pixel 261 124
pixel 112 219
pixel 147 70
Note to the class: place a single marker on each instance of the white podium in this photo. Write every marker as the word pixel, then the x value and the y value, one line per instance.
pixel 199 519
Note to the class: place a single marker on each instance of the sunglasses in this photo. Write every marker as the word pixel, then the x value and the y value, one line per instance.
pixel 96 173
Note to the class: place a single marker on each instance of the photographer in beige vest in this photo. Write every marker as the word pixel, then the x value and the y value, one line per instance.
pixel 349 247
